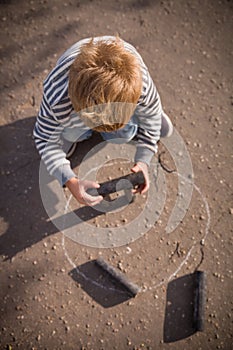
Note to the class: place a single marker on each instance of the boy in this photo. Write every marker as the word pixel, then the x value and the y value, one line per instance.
pixel 99 84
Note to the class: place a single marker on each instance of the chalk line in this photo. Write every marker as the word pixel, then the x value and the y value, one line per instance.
pixel 195 243
pixel 169 278
pixel 88 279
pixel 103 166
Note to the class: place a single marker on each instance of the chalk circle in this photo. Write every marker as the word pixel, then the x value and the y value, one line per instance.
pixel 82 232
pixel 170 276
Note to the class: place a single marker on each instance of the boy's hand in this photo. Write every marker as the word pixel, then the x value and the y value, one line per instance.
pixel 78 189
pixel 144 168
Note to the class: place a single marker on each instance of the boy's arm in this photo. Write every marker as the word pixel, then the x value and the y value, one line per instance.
pixel 48 139
pixel 47 134
pixel 148 112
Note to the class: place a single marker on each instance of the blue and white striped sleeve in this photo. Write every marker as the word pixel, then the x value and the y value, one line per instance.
pixel 148 113
pixel 47 134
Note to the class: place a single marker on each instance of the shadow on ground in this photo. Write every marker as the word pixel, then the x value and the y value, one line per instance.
pixel 99 285
pixel 24 219
pixel 181 304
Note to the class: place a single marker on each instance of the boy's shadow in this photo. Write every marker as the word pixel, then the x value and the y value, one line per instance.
pixel 24 220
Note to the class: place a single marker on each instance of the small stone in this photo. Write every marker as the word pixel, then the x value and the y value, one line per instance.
pixel 41 278
pixel 128 250
pixel 18 308
pixel 120 266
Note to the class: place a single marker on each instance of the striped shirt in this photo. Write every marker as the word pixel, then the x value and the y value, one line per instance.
pixel 56 114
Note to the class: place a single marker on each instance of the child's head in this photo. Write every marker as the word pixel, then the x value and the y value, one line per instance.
pixel 102 74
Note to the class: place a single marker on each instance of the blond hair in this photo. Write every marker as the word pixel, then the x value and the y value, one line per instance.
pixel 105 84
